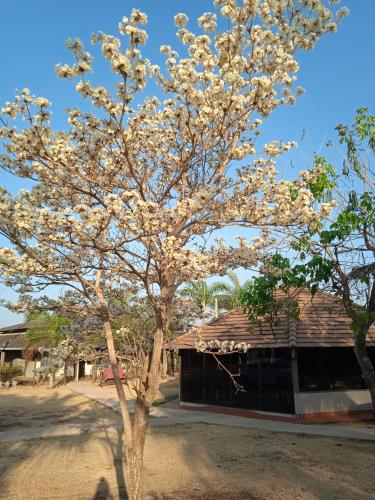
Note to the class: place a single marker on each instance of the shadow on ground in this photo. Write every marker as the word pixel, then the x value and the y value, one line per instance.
pixel 220 462
pixel 182 462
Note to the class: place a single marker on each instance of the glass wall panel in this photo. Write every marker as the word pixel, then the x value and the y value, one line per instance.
pixel 192 376
pixel 330 369
pixel 264 374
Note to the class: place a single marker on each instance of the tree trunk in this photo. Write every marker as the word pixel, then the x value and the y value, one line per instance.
pixel 135 429
pixel 202 312
pixel 65 372
pixel 133 443
pixel 116 375
pixel 135 447
pixel 164 364
pixel 135 450
pixel 364 361
pixel 171 367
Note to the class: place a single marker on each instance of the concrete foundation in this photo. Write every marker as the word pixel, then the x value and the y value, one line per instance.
pixel 331 402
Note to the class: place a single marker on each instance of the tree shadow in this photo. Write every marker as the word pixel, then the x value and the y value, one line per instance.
pixel 26 416
pixel 73 462
pixel 51 407
pixel 116 447
pixel 169 390
pixel 217 461
pixel 192 461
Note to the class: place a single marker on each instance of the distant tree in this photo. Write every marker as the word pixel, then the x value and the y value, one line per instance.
pixel 338 256
pixel 9 372
pixel 204 295
pixel 48 330
pixel 229 295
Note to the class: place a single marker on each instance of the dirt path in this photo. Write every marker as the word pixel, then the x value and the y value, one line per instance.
pixel 191 462
pixel 44 407
pixel 174 414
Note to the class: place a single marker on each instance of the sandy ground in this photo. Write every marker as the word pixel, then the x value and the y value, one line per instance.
pixel 42 406
pixel 196 461
pixel 168 390
pixel 191 462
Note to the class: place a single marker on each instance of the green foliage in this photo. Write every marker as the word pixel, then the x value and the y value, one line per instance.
pixel 339 253
pixel 35 315
pixel 259 298
pixel 293 193
pixel 203 294
pixel 9 372
pixel 324 182
pixel 49 330
pixel 228 294
pixel 357 216
pixel 362 130
pixel 225 294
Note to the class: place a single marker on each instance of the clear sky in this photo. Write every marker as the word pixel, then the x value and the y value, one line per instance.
pixel 338 75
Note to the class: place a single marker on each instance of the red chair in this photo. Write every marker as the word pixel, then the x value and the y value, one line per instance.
pixel 108 375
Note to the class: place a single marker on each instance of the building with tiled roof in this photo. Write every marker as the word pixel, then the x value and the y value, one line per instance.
pixel 13 341
pixel 302 366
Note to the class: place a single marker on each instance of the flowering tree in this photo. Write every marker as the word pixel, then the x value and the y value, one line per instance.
pixel 129 195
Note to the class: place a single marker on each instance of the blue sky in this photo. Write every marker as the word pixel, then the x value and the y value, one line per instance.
pixel 338 74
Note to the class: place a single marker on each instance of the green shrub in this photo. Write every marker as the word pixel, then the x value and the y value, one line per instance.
pixel 9 372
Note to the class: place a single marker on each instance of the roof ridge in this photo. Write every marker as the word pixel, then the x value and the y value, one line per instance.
pixel 292 332
pixel 18 326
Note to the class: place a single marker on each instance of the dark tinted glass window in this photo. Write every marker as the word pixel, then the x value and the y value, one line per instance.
pixel 264 374
pixel 329 369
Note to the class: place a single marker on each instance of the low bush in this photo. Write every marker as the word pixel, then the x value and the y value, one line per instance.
pixel 10 372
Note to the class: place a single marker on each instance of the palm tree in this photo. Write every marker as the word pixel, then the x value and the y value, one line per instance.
pixel 229 298
pixel 204 295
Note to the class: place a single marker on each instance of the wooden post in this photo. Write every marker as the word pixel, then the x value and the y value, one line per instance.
pixel 179 378
pixel 2 357
pixel 174 358
pixel 164 363
pixel 294 366
pixel 171 362
pixel 77 371
pixel 94 371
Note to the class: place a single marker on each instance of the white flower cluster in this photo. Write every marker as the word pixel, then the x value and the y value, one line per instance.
pixel 66 349
pixel 208 21
pixel 181 20
pixel 221 346
pixel 123 330
pixel 277 148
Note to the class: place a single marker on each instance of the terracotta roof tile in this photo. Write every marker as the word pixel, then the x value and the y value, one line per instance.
pixel 322 323
pixel 19 327
pixel 12 341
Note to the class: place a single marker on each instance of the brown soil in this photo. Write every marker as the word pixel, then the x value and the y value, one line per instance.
pixel 182 462
pixel 168 390
pixel 28 406
pixel 39 406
